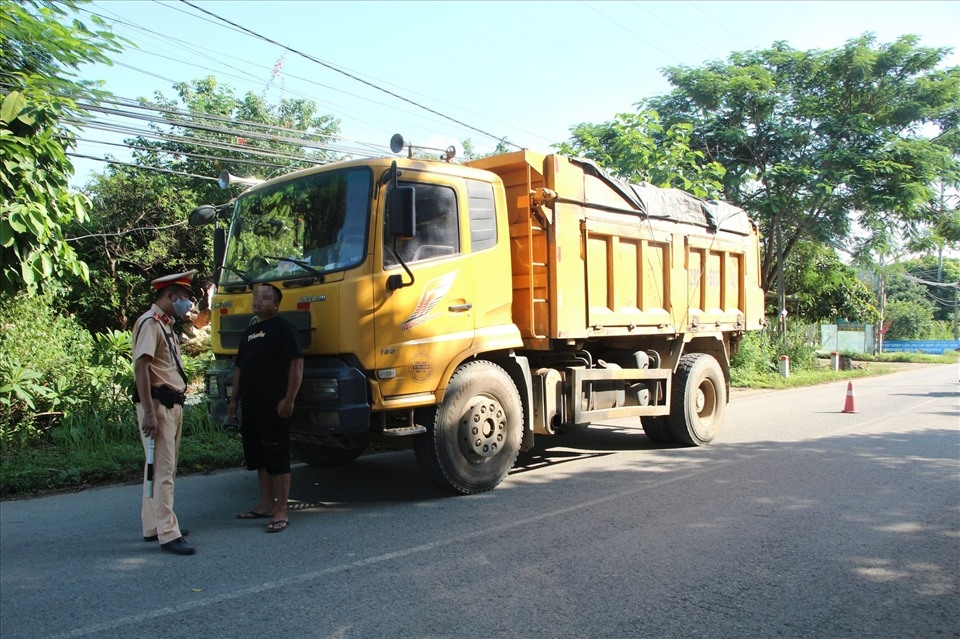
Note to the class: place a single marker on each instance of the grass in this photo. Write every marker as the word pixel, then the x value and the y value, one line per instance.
pixel 863 366
pixel 88 453
pixel 77 462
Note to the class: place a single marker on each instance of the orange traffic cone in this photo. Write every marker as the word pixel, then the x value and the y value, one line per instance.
pixel 849 406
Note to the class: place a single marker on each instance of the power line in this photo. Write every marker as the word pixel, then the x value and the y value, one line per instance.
pixel 142 166
pixel 348 112
pixel 677 31
pixel 343 111
pixel 349 75
pixel 718 23
pixel 179 153
pixel 620 25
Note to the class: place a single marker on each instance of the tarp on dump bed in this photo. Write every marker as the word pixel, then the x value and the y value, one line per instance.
pixel 673 204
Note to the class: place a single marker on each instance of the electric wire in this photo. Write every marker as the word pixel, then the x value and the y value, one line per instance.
pixel 350 75
pixel 621 26
pixel 344 111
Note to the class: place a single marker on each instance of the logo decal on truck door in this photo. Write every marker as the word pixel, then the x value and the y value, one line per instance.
pixel 433 292
pixel 421 368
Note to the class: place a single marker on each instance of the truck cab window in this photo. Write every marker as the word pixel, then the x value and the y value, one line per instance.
pixel 438 227
pixel 317 223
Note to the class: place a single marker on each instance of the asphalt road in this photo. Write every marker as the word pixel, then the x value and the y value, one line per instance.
pixel 800 521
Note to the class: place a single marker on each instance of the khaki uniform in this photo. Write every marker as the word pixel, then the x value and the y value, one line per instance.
pixel 157 513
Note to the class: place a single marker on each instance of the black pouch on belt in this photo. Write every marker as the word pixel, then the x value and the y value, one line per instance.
pixel 166 396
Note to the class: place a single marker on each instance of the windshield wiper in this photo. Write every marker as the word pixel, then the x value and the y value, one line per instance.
pixel 243 276
pixel 304 265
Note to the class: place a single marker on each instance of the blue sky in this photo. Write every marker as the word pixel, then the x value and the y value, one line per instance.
pixel 525 70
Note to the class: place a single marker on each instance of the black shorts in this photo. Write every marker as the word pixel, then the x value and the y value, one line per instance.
pixel 266 437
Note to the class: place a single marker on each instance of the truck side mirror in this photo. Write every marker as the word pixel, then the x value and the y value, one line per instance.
pixel 403 211
pixel 202 215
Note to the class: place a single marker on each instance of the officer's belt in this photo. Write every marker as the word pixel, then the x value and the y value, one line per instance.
pixel 166 396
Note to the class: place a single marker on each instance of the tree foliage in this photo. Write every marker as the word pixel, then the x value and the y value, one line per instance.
pixel 638 148
pixel 137 228
pixel 39 56
pixel 812 141
pixel 207 129
pixel 927 280
pixel 825 290
pixel 908 319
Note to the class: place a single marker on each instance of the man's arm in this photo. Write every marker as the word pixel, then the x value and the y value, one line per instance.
pixel 294 379
pixel 234 394
pixel 141 372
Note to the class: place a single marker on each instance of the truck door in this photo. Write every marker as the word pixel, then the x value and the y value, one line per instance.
pixel 420 327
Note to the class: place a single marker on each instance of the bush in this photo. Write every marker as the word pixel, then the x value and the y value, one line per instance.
pixel 759 354
pixel 44 359
pixel 909 319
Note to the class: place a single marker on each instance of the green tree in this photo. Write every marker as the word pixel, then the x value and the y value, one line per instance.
pixel 39 56
pixel 638 148
pixel 908 320
pixel 822 289
pixel 207 129
pixel 137 229
pixel 930 279
pixel 812 141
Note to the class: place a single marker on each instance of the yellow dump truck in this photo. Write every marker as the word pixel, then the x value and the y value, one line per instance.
pixel 470 308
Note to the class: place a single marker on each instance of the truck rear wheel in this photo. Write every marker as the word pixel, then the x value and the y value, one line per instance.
pixel 323 455
pixel 699 400
pixel 474 438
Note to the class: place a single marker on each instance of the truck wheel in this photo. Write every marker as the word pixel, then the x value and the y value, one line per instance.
pixel 657 429
pixel 699 400
pixel 474 439
pixel 323 455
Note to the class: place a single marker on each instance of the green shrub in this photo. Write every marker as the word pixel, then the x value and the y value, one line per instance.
pixel 760 351
pixel 44 359
pixel 909 319
pixel 755 353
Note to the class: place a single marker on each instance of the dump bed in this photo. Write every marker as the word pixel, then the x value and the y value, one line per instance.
pixel 593 256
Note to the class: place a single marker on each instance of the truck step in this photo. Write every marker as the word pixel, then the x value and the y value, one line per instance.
pixel 405 431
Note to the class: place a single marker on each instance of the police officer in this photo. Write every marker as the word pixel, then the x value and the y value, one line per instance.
pixel 160 390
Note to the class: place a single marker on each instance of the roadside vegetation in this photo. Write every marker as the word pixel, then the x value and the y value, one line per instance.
pixel 66 417
pixel 757 364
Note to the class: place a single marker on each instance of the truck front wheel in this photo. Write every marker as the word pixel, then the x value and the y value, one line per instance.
pixel 474 438
pixel 699 400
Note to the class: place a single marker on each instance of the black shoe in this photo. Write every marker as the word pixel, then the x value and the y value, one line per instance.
pixel 179 547
pixel 183 533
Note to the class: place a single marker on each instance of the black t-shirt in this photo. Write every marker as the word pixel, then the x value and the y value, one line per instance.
pixel 266 349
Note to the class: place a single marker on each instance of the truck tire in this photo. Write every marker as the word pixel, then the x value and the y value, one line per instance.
pixel 657 429
pixel 474 438
pixel 323 455
pixel 699 400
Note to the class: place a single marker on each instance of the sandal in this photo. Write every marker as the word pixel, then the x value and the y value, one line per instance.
pixel 278 525
pixel 252 514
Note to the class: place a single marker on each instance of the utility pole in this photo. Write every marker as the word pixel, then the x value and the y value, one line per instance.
pixel 781 290
pixel 956 290
pixel 883 306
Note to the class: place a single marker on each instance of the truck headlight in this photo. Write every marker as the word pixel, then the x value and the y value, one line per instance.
pixel 320 389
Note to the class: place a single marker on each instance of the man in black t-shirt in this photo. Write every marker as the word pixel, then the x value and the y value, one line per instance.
pixel 269 369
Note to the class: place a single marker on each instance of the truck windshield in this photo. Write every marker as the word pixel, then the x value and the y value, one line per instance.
pixel 307 226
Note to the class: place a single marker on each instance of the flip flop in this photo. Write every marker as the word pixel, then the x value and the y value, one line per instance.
pixel 252 514
pixel 278 525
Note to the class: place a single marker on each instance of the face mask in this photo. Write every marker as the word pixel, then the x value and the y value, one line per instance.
pixel 182 307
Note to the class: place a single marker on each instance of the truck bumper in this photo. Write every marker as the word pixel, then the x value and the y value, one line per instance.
pixel 332 399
